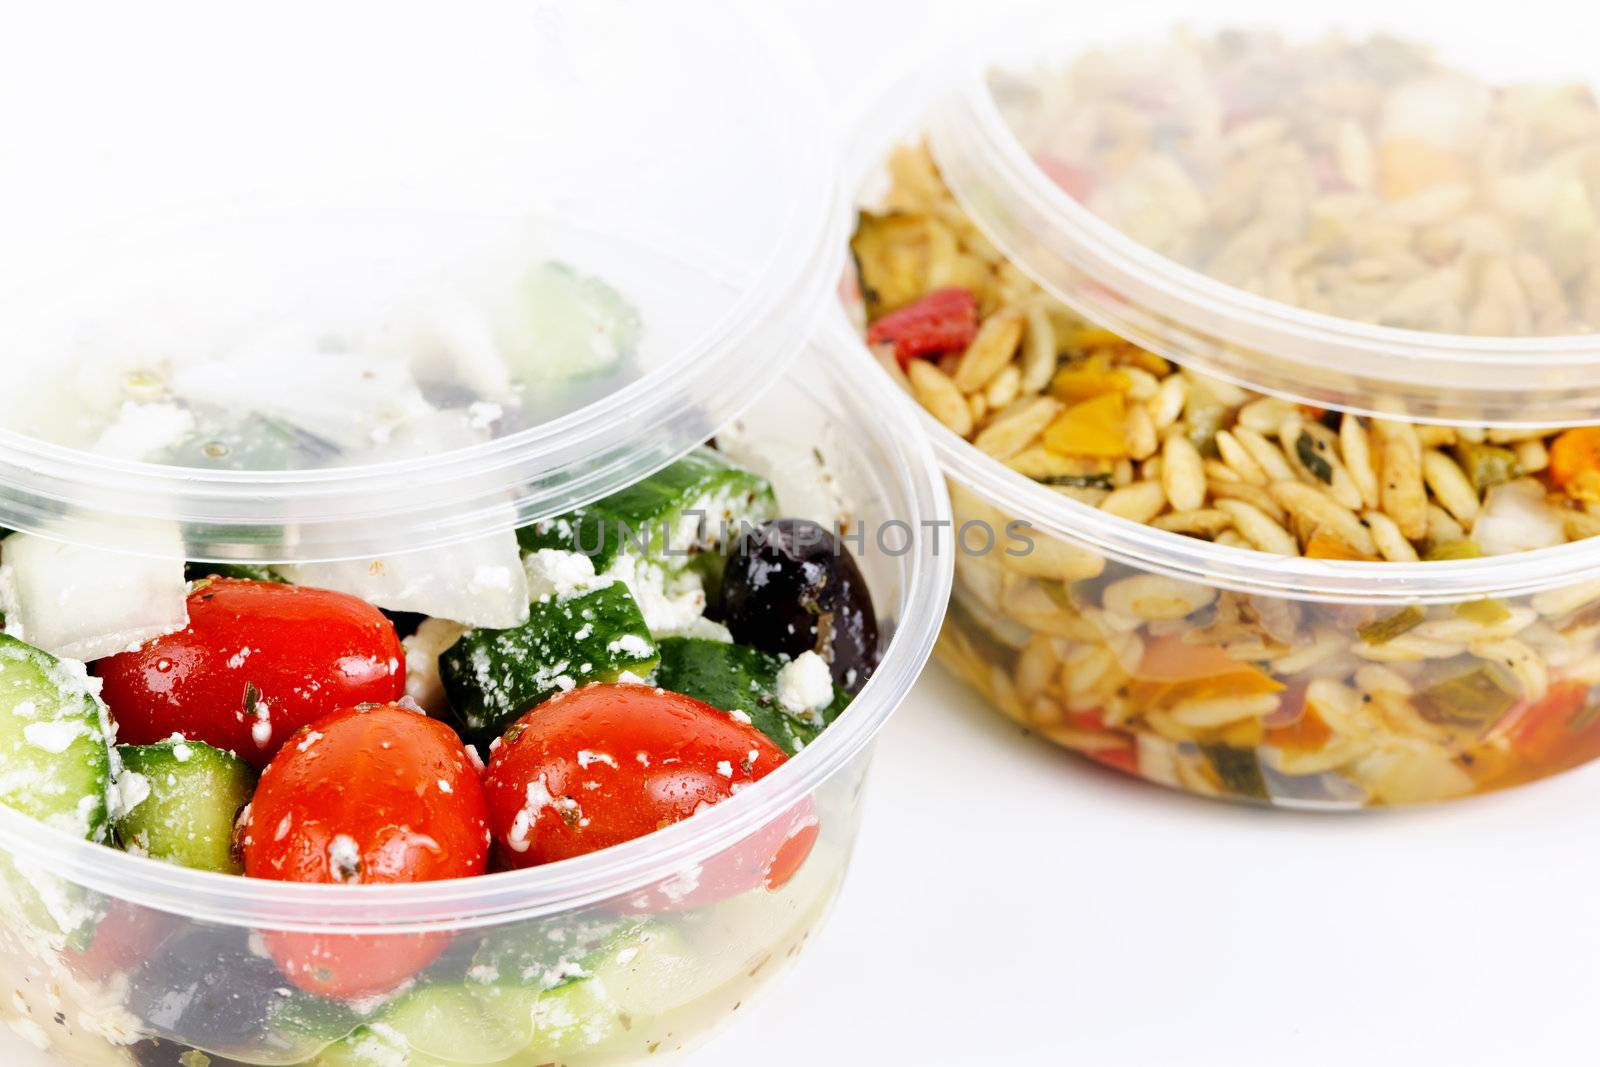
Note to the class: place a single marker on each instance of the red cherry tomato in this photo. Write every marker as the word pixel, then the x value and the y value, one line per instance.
pixel 366 795
pixel 608 763
pixel 257 661
pixel 125 936
pixel 946 320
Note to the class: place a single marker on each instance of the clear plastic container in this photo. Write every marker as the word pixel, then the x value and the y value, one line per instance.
pixel 117 959
pixel 361 295
pixel 1188 642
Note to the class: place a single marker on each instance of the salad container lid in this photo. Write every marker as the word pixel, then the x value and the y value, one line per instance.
pixel 1367 209
pixel 379 279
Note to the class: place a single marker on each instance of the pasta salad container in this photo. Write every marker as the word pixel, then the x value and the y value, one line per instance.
pixel 1275 338
pixel 445 607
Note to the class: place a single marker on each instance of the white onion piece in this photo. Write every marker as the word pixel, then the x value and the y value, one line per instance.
pixel 477 583
pixel 352 400
pixel 1516 518
pixel 85 603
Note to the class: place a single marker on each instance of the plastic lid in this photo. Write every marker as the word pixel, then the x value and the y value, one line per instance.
pixel 373 278
pixel 1336 207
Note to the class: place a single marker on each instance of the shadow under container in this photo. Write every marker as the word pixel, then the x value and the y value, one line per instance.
pixel 1207 667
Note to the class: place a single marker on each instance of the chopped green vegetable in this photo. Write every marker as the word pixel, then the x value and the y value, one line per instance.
pixel 1392 626
pixel 1309 449
pixel 194 795
pixel 1487 466
pixel 1238 769
pixel 680 517
pixel 741 680
pixel 492 676
pixel 1475 697
pixel 55 742
pixel 569 326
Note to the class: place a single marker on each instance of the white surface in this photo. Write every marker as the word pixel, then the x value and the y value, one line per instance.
pixel 1012 904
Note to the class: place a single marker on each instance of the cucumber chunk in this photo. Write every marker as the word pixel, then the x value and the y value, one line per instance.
pixel 492 676
pixel 195 793
pixel 569 327
pixel 460 1024
pixel 55 742
pixel 744 681
pixel 682 517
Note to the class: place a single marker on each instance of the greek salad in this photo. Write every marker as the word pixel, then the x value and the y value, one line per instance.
pixel 519 700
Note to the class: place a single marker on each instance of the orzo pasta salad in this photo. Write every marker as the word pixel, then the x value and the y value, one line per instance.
pixel 1267 697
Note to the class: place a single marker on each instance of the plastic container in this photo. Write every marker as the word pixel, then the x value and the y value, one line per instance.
pixel 1193 658
pixel 228 251
pixel 173 955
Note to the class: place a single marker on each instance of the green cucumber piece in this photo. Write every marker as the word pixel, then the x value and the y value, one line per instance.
pixel 374 1046
pixel 737 678
pixel 195 795
pixel 55 742
pixel 550 954
pixel 569 327
pixel 462 1024
pixel 492 676
pixel 683 516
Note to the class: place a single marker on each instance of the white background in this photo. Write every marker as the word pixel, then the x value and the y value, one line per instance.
pixel 1011 905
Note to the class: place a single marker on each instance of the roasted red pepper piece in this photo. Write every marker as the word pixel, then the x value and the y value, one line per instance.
pixel 945 320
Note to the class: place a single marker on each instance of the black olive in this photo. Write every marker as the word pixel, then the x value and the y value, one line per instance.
pixel 790 587
pixel 207 989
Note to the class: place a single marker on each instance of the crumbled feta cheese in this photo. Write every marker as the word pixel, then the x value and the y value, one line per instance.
pixel 129 791
pixel 630 645
pixel 539 798
pixel 805 684
pixel 54 737
pixel 344 859
pixel 725 768
pixel 555 573
pixel 585 757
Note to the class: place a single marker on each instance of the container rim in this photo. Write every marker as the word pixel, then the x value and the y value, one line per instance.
pixel 577 456
pixel 567 884
pixel 1252 340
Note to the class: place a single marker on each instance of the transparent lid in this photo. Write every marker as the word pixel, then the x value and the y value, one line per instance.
pixel 371 278
pixel 1363 207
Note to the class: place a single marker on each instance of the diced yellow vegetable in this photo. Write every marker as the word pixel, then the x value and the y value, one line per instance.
pixel 1085 379
pixel 1452 550
pixel 1407 166
pixel 1484 612
pixel 1324 545
pixel 1096 427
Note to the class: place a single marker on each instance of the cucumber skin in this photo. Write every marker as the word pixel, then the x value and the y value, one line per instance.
pixel 210 783
pixel 737 677
pixel 492 676
pixel 82 771
pixel 632 519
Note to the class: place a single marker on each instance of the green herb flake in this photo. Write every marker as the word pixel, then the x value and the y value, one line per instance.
pixel 1310 453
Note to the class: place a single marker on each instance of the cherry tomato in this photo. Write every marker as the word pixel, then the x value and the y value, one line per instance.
pixel 608 763
pixel 257 661
pixel 125 936
pixel 367 795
